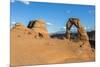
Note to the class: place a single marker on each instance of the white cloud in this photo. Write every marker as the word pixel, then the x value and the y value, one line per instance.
pixel 72 28
pixel 50 24
pixel 23 1
pixel 91 11
pixel 64 27
pixel 88 28
pixel 13 22
pixel 68 11
pixel 85 28
pixel 12 1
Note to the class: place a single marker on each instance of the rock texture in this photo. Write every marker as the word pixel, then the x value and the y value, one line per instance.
pixel 29 46
pixel 20 29
pixel 39 27
pixel 82 34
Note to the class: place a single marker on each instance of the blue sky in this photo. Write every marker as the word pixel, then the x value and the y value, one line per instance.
pixel 55 15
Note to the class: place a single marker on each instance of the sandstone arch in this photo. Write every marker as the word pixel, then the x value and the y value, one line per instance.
pixel 82 35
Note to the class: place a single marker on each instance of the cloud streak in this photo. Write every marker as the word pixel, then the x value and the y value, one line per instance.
pixel 12 1
pixel 50 24
pixel 68 11
pixel 12 24
pixel 22 1
pixel 25 2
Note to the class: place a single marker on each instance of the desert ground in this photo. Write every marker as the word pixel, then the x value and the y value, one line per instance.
pixel 27 50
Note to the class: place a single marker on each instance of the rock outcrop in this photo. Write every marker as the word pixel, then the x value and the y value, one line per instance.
pixel 22 31
pixel 29 46
pixel 39 27
pixel 82 34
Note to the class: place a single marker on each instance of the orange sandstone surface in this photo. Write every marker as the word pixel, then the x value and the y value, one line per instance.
pixel 27 48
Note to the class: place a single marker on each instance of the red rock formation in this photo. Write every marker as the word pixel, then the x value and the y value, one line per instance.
pixel 39 27
pixel 82 34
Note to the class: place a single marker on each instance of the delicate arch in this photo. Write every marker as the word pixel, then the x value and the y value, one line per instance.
pixel 82 35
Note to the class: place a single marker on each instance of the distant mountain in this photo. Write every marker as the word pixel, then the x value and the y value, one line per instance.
pixel 91 35
pixel 58 34
pixel 61 35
